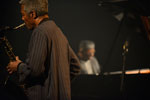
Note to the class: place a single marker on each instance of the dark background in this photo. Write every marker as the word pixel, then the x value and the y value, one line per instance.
pixel 88 19
pixel 93 20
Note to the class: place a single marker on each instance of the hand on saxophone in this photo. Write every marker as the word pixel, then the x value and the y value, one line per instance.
pixel 12 66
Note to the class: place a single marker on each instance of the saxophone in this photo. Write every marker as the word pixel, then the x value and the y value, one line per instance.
pixel 8 48
pixel 9 52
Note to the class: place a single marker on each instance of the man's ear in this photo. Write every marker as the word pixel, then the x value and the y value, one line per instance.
pixel 33 15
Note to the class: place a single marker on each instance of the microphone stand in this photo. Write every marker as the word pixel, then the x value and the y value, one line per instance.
pixel 125 51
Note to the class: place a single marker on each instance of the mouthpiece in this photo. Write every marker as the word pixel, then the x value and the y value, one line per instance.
pixel 21 25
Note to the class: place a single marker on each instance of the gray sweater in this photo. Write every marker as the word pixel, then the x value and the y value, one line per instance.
pixel 50 63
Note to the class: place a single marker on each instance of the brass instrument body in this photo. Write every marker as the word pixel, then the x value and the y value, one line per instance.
pixel 9 51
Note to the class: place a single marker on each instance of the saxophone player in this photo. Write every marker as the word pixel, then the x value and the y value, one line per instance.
pixel 51 63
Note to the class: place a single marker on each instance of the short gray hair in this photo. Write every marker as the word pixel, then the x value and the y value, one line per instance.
pixel 39 6
pixel 86 44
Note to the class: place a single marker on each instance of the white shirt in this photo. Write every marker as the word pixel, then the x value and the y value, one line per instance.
pixel 88 67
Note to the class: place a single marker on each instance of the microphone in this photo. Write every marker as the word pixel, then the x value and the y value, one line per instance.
pixel 8 28
pixel 125 46
pixel 5 29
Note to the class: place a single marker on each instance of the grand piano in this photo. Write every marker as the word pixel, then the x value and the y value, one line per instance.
pixel 107 86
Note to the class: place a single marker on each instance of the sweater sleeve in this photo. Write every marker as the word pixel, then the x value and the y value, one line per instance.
pixel 74 64
pixel 34 64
